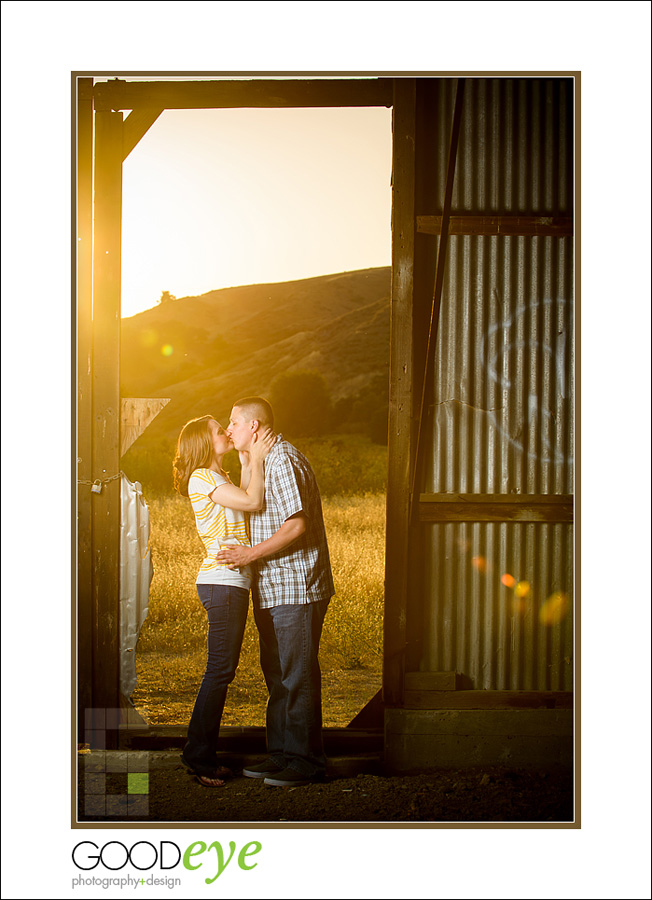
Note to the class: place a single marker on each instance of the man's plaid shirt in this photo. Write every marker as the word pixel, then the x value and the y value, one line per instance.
pixel 302 572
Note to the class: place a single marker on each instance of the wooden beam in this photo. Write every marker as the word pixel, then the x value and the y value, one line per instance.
pixel 249 739
pixel 420 699
pixel 136 125
pixel 527 226
pixel 542 508
pixel 431 681
pixel 426 197
pixel 83 242
pixel 429 167
pixel 401 389
pixel 106 410
pixel 372 714
pixel 433 328
pixel 136 413
pixel 224 93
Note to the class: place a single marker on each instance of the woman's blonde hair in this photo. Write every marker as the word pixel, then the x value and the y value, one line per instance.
pixel 194 451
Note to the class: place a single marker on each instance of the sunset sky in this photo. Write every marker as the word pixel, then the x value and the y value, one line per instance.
pixel 217 198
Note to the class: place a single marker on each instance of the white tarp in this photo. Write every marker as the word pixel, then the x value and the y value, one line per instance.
pixel 136 572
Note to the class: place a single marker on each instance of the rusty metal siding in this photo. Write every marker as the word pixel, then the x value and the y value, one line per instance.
pixel 500 418
pixel 478 625
pixel 516 150
pixel 516 146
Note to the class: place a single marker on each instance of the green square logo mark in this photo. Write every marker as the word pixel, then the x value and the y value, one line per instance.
pixel 138 783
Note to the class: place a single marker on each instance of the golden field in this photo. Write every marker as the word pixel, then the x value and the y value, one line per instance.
pixel 171 651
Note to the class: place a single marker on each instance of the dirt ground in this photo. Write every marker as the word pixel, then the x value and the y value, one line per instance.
pixel 488 794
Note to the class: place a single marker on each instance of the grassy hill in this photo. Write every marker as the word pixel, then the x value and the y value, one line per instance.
pixel 205 352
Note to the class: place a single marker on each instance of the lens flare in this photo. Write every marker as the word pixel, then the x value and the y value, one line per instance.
pixel 508 580
pixel 554 609
pixel 479 563
pixel 167 350
pixel 522 589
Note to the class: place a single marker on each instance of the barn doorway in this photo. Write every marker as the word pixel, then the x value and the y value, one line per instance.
pixel 333 327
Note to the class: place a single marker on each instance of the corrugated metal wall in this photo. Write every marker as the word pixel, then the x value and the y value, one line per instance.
pixel 501 420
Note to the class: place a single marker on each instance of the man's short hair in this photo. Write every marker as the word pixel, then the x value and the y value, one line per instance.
pixel 256 408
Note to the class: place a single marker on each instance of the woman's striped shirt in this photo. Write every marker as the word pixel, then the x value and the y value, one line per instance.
pixel 217 523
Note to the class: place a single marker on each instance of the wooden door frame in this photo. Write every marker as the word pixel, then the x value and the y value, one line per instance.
pixel 102 140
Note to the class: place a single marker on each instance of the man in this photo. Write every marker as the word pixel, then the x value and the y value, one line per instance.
pixel 291 593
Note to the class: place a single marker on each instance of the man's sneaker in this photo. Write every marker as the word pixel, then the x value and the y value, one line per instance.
pixel 262 769
pixel 288 778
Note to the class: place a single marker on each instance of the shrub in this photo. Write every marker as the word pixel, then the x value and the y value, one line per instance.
pixel 150 463
pixel 301 402
pixel 347 465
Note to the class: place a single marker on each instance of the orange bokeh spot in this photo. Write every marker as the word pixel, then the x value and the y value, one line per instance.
pixel 522 589
pixel 554 609
pixel 480 563
pixel 508 580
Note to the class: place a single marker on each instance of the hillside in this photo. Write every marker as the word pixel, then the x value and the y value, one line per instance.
pixel 204 352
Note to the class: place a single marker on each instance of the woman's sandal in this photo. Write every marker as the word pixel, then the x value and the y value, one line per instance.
pixel 206 781
pixel 215 779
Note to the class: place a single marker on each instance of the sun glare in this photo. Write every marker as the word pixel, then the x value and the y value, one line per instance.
pixel 218 198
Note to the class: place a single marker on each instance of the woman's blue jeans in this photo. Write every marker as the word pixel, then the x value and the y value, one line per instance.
pixel 227 608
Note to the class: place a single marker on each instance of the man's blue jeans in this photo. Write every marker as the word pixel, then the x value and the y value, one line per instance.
pixel 227 608
pixel 289 648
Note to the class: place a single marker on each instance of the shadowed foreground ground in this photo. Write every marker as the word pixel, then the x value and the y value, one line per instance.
pixel 168 793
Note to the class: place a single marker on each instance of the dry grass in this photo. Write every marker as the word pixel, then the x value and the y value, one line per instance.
pixel 171 651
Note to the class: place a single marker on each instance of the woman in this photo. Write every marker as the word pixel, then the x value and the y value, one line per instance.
pixel 219 508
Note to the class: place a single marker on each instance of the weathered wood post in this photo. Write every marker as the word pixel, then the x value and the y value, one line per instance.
pixel 106 411
pixel 84 260
pixel 401 388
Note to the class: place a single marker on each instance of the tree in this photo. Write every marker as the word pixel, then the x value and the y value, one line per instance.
pixel 302 403
pixel 166 297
